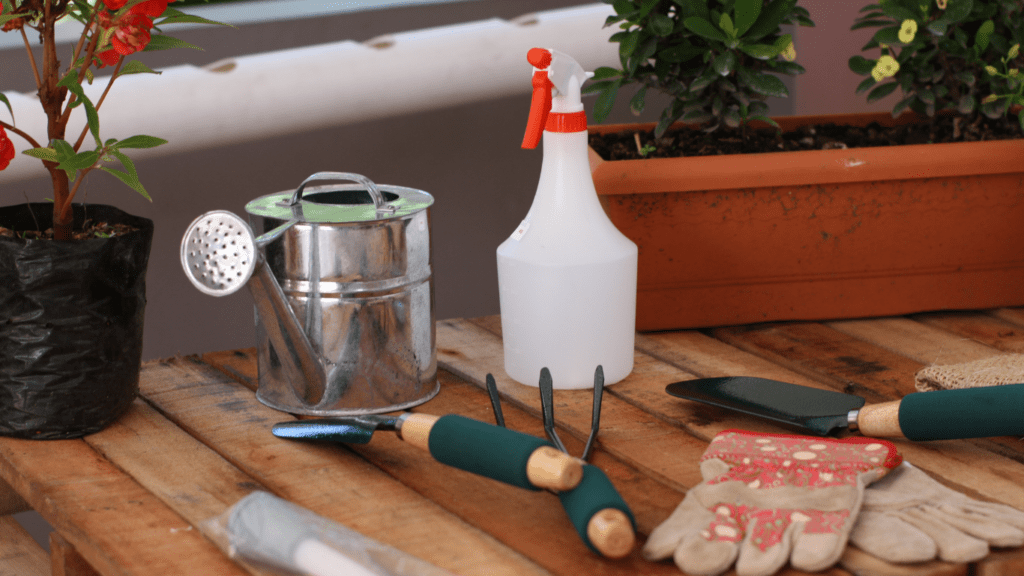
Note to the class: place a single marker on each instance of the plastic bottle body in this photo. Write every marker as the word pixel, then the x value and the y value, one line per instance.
pixel 567 279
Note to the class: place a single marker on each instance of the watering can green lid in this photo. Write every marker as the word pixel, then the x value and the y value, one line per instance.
pixel 338 203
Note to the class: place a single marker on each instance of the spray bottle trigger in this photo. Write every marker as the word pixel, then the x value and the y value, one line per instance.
pixel 540 106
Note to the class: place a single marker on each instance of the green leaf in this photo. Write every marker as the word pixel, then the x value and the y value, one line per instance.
pixel 765 84
pixel 703 28
pixel 725 23
pixel 927 96
pixel 1020 118
pixel 48 154
pixel 697 8
pixel 790 68
pixel 680 53
pixel 764 119
pixel 605 72
pixel 888 35
pixel 725 63
pixel 861 65
pixel 660 24
pixel 770 19
pixel 162 42
pixel 628 45
pixel 897 12
pixel 136 67
pixel 130 177
pixel 8 103
pixel 63 149
pixel 865 84
pixel 760 51
pixel 140 141
pixel 79 161
pixel 902 105
pixel 983 36
pixel 957 10
pixel 870 24
pixel 965 77
pixel 703 81
pixel 747 12
pixel 172 16
pixel 70 81
pixel 636 103
pixel 623 7
pixel 605 101
pixel 732 118
pixel 882 90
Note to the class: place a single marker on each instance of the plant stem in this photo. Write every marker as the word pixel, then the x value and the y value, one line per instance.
pixel 78 143
pixel 32 141
pixel 31 58
pixel 52 98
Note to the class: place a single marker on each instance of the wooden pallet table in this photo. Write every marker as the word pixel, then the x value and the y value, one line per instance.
pixel 133 499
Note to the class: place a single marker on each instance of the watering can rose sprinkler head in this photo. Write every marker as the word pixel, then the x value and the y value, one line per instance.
pixel 556 88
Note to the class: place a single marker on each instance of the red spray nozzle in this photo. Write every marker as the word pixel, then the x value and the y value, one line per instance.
pixel 540 105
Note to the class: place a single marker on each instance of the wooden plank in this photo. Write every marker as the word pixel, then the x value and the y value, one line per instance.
pixel 188 477
pixel 924 341
pixel 993 331
pixel 10 501
pixel 327 479
pixel 65 560
pixel 118 526
pixel 20 555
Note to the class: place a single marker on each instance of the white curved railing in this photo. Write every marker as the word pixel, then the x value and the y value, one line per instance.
pixel 263 95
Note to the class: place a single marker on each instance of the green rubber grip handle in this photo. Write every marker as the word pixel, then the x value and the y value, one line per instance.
pixel 484 449
pixel 594 494
pixel 963 413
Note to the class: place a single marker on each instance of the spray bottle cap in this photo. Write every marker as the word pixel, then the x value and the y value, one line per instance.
pixel 556 86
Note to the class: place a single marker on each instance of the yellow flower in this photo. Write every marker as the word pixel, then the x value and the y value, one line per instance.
pixel 907 31
pixel 989 99
pixel 991 70
pixel 886 67
pixel 941 4
pixel 1014 50
pixel 789 53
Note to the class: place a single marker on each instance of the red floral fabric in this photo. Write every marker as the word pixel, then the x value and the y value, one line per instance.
pixel 770 461
pixel 6 149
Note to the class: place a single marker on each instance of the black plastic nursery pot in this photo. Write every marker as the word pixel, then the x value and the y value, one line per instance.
pixel 71 319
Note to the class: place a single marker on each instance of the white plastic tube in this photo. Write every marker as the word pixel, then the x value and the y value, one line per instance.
pixel 263 95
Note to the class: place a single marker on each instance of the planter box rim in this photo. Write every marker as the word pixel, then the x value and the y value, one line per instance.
pixel 796 168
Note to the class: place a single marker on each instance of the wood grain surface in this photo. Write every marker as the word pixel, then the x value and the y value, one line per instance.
pixel 137 497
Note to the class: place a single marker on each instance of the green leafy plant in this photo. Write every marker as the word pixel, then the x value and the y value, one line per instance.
pixel 942 53
pixel 112 30
pixel 717 59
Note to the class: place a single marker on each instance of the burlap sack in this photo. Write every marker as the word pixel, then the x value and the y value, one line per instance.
pixel 992 371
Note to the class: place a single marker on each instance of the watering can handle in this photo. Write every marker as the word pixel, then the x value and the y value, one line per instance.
pixel 378 198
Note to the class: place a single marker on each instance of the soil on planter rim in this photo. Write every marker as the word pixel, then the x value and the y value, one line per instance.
pixel 90 231
pixel 688 141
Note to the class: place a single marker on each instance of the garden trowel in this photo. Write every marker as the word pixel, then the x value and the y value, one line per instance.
pixel 498 453
pixel 935 415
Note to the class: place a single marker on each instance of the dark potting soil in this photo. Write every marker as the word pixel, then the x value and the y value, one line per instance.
pixel 688 141
pixel 91 230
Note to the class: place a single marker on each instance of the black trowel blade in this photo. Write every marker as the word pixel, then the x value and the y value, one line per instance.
pixel 819 412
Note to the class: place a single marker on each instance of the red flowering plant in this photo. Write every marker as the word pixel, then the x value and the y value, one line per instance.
pixel 113 31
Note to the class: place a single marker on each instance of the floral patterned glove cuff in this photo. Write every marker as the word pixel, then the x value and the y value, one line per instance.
pixel 771 498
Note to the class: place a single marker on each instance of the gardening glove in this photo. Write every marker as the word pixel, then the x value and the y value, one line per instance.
pixel 909 517
pixel 991 371
pixel 769 498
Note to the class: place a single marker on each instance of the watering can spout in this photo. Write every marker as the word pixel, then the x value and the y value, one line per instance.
pixel 220 254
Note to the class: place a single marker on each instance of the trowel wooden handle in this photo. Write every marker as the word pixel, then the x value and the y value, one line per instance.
pixel 944 414
pixel 499 453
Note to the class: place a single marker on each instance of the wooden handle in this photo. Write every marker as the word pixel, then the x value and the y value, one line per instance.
pixel 611 533
pixel 880 420
pixel 416 428
pixel 551 468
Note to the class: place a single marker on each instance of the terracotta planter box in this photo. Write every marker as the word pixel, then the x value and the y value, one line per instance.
pixel 821 234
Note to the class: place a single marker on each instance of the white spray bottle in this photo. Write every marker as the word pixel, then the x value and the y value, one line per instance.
pixel 566 276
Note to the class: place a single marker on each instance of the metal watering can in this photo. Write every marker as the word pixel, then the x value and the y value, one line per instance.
pixel 342 282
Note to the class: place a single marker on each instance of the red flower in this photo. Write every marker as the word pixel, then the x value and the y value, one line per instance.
pixel 6 149
pixel 151 8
